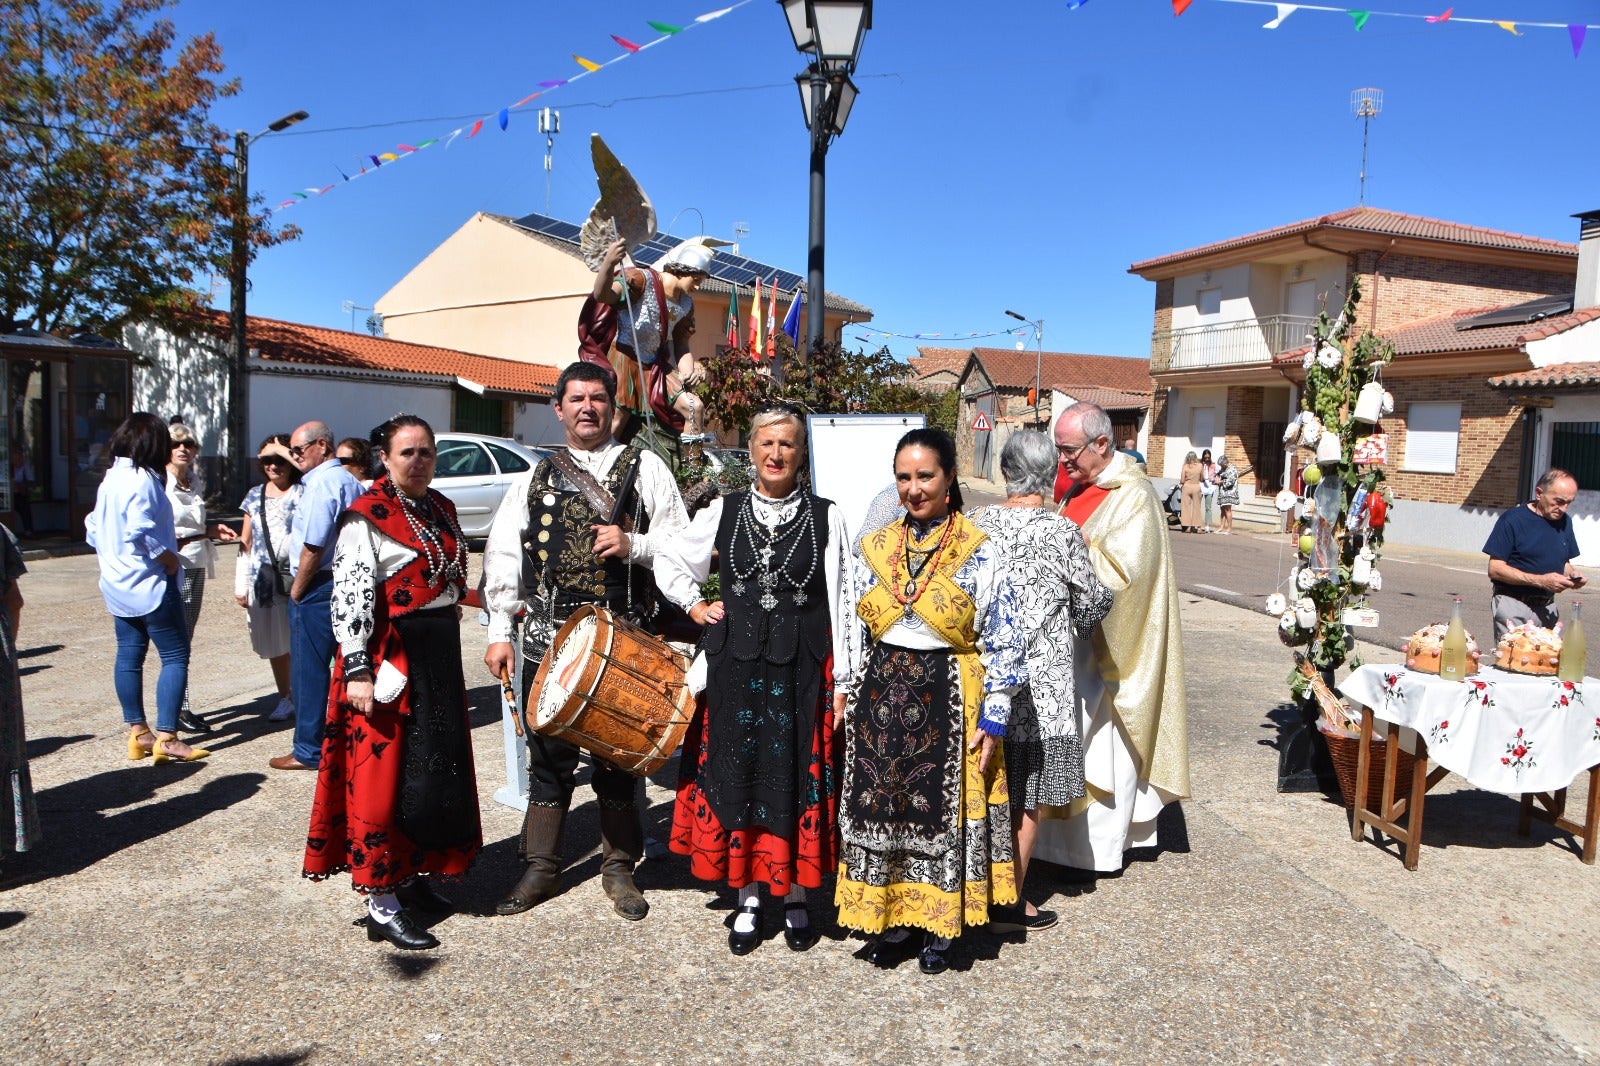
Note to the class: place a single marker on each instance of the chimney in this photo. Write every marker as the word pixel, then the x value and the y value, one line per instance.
pixel 1586 292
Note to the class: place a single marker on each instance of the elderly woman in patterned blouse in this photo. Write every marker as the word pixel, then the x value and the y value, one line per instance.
pixel 1059 594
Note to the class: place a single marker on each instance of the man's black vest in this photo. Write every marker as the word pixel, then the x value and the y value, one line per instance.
pixel 558 546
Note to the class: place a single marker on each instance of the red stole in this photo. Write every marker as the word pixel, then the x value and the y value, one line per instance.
pixel 1082 503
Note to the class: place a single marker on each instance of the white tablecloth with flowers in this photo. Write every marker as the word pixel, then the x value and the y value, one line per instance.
pixel 1504 732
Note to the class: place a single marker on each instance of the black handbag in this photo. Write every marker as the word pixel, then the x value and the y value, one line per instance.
pixel 271 582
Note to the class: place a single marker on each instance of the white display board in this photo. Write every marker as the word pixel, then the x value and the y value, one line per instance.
pixel 852 458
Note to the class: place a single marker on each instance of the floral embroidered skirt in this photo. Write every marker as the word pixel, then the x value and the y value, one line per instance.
pixel 396 792
pixel 771 769
pixel 925 837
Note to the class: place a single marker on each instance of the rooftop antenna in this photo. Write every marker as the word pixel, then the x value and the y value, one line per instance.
pixel 1367 105
pixel 350 308
pixel 549 125
pixel 741 230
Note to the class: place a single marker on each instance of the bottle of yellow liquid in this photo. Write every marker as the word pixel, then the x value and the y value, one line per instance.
pixel 1453 653
pixel 1572 650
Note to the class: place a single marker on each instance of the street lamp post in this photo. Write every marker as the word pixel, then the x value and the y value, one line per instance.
pixel 831 33
pixel 1038 363
pixel 238 376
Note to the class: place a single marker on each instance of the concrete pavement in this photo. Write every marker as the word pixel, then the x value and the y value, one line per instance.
pixel 163 920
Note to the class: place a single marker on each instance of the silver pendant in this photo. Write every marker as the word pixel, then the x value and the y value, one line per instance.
pixel 768 580
pixel 768 601
pixel 738 587
pixel 799 598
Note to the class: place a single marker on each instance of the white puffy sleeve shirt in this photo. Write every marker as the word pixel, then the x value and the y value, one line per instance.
pixel 363 559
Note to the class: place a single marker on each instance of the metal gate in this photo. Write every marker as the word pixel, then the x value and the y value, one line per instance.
pixel 1268 459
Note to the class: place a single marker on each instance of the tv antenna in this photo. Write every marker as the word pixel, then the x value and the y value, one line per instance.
pixel 350 308
pixel 549 125
pixel 1367 105
pixel 741 230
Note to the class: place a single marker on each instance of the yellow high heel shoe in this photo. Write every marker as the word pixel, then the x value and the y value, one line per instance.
pixel 160 755
pixel 136 750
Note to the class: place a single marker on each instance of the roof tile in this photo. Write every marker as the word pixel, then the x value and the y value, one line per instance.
pixel 1438 335
pixel 1009 368
pixel 1554 376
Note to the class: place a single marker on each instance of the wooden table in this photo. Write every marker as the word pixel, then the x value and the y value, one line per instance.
pixel 1510 733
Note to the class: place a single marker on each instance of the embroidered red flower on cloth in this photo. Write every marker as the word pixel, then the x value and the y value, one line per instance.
pixel 1519 753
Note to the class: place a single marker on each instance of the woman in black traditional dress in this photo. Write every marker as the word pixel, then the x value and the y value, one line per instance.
pixel 757 792
pixel 396 794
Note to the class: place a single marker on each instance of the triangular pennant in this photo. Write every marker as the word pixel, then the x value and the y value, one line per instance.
pixel 405 148
pixel 1577 33
pixel 1360 18
pixel 709 15
pixel 505 117
pixel 1284 11
pixel 552 84
pixel 587 64
pixel 324 189
pixel 375 160
pixel 476 126
pixel 665 27
pixel 424 144
pixel 527 99
pixel 1442 18
pixel 453 135
pixel 1073 5
pixel 625 43
pixel 342 174
pixel 1180 6
pixel 1510 27
pixel 388 157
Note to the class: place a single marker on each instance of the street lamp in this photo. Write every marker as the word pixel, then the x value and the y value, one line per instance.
pixel 1038 363
pixel 238 378
pixel 831 33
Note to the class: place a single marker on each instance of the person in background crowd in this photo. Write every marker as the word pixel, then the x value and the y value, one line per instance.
pixel 1228 476
pixel 22 478
pixel 186 490
pixel 329 489
pixel 757 797
pixel 132 533
pixel 19 816
pixel 1131 450
pixel 1190 478
pixel 262 575
pixel 1530 552
pixel 355 455
pixel 1060 597
pixel 1208 491
pixel 924 825
pixel 551 550
pixel 397 797
pixel 1133 717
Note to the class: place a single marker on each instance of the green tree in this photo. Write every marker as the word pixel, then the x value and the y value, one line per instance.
pixel 115 186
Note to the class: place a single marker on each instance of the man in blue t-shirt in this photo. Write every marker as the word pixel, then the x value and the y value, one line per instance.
pixel 1530 555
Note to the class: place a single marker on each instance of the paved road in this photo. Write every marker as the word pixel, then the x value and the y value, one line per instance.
pixel 163 919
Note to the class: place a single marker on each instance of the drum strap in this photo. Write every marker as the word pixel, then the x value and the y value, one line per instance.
pixel 585 483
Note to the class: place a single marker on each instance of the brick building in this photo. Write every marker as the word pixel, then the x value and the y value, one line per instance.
pixel 1469 310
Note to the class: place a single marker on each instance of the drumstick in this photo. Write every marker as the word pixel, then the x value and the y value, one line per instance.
pixel 511 700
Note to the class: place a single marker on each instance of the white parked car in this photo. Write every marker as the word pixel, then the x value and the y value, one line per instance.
pixel 475 471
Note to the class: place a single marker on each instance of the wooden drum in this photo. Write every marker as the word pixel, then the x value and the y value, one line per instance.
pixel 613 690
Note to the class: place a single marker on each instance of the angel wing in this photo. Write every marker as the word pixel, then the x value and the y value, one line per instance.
pixel 623 209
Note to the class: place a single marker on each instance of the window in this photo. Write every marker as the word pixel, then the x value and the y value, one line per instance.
pixel 1208 302
pixel 1432 432
pixel 1575 448
pixel 462 458
pixel 510 462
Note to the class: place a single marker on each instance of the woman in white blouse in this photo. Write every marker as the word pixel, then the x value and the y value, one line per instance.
pixel 186 490
pixel 757 789
pixel 261 577
pixel 396 795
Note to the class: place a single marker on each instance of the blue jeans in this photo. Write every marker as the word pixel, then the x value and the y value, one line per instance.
pixel 311 647
pixel 166 628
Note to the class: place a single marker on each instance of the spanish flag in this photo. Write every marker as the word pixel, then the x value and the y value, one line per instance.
pixel 755 323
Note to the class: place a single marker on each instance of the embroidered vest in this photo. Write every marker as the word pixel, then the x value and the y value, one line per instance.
pixel 422 580
pixel 558 546
pixel 749 631
pixel 943 604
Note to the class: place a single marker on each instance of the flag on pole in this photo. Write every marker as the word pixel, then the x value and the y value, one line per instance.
pixel 791 321
pixel 732 329
pixel 772 320
pixel 754 345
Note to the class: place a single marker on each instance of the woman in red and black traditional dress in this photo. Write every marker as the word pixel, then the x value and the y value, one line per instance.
pixel 757 792
pixel 396 794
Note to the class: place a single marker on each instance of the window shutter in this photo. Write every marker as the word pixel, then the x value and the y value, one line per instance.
pixel 1433 432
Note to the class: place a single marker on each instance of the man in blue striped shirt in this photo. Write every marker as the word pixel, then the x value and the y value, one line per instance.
pixel 329 489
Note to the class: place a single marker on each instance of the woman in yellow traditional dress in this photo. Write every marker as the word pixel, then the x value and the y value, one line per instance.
pixel 924 823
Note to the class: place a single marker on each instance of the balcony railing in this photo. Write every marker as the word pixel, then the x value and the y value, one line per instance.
pixel 1253 341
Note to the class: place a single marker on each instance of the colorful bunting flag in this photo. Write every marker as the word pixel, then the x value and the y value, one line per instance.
pixel 1441 18
pixel 1284 11
pixel 665 27
pixel 1360 18
pixel 1577 33
pixel 1180 6
pixel 476 126
pixel 625 43
pixel 405 148
pixel 1509 27
pixel 505 117
pixel 587 64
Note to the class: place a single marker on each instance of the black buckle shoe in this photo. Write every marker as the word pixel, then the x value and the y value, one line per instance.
pixel 932 960
pixel 803 937
pixel 403 932
pixel 190 722
pixel 887 954
pixel 744 943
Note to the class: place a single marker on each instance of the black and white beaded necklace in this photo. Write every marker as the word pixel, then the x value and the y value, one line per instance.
pixel 797 528
pixel 424 527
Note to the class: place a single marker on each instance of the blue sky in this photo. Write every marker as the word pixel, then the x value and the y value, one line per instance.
pixel 1023 158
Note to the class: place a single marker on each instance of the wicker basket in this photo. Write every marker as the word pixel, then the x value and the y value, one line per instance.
pixel 1345 750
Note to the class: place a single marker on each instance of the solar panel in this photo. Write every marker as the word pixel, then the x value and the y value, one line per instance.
pixel 1516 314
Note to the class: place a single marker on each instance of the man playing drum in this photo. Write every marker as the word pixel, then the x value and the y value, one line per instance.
pixel 582 528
